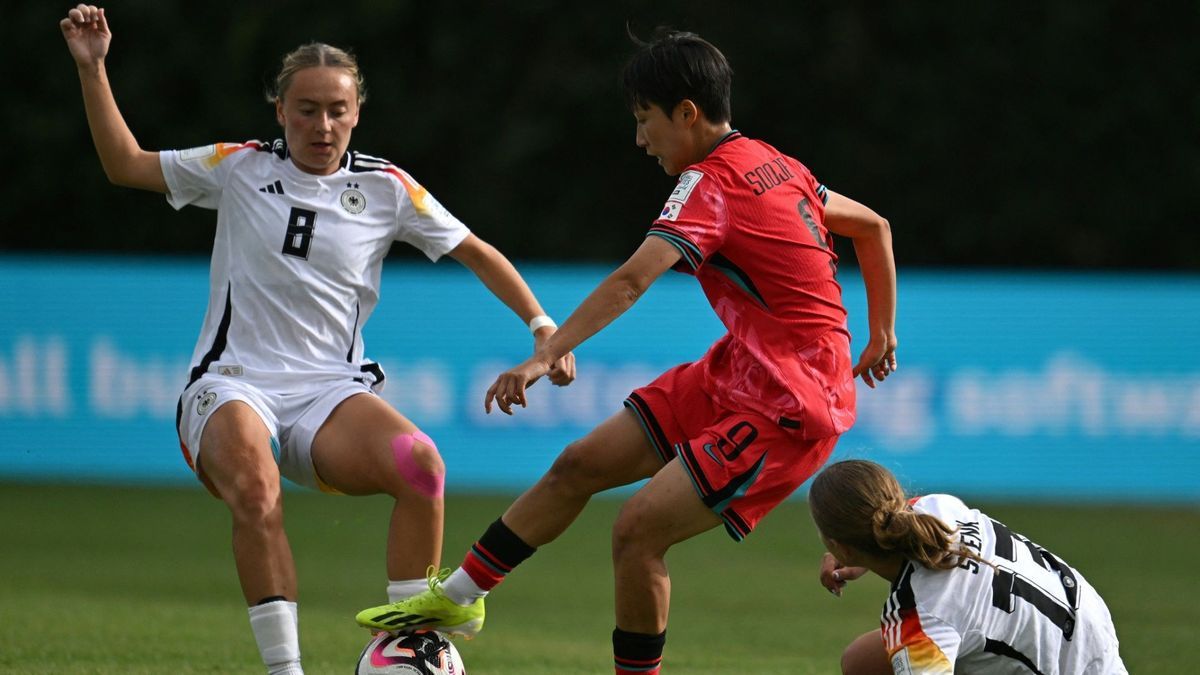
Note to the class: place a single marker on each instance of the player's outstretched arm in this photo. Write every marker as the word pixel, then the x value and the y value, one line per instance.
pixel 610 299
pixel 502 279
pixel 125 163
pixel 872 237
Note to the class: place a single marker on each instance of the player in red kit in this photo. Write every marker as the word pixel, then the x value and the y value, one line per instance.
pixel 723 439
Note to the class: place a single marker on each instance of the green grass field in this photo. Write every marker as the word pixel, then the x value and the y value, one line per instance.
pixel 132 581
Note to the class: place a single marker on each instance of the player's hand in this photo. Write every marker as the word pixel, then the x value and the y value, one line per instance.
pixel 834 574
pixel 878 360
pixel 562 372
pixel 86 31
pixel 510 387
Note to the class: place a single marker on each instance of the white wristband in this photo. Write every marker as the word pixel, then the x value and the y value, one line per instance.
pixel 541 321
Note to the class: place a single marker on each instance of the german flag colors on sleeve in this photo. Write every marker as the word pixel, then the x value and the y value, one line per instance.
pixel 916 643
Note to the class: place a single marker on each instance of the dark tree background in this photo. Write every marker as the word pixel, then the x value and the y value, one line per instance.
pixel 1049 134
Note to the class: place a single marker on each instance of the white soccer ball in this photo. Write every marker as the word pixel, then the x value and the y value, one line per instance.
pixel 422 652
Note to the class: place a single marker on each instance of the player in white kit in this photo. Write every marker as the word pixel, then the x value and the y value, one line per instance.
pixel 279 384
pixel 968 595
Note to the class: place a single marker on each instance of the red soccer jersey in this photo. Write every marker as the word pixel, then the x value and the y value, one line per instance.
pixel 750 223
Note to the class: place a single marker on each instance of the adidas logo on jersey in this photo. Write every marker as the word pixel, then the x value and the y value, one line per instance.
pixel 275 189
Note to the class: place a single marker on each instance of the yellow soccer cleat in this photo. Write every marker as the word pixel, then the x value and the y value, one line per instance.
pixel 429 610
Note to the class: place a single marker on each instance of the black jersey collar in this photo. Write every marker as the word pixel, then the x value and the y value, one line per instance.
pixel 732 135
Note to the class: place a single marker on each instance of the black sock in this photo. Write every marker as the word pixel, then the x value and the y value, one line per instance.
pixel 496 553
pixel 637 652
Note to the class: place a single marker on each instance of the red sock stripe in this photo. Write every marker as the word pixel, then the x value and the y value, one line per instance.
pixel 637 663
pixel 490 558
pixel 485 575
pixel 632 667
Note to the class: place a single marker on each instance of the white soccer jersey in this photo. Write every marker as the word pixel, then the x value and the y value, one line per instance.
pixel 1030 613
pixel 297 257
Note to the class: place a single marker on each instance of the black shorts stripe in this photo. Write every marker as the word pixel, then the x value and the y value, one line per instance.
pixel 657 438
pixel 1004 649
pixel 219 340
pixel 693 467
pixel 737 527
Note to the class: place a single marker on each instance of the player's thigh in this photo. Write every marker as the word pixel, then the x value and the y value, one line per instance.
pixel 866 655
pixel 666 511
pixel 235 451
pixel 617 452
pixel 353 451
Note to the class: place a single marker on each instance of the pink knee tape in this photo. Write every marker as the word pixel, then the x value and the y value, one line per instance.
pixel 432 485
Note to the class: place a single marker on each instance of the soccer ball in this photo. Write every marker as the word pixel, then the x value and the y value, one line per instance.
pixel 422 652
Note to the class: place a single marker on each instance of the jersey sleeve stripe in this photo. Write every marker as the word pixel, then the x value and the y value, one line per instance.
pixel 902 630
pixel 223 150
pixel 691 252
pixel 823 193
pixel 926 656
pixel 416 192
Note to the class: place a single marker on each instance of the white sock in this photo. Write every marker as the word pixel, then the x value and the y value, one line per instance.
pixel 276 630
pixel 401 590
pixel 461 588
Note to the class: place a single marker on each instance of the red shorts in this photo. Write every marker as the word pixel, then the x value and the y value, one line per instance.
pixel 741 463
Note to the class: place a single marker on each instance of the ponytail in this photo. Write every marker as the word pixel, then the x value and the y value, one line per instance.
pixel 860 503
pixel 919 537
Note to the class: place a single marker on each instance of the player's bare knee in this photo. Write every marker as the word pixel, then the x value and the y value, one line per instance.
pixel 628 534
pixel 625 542
pixel 427 458
pixel 419 464
pixel 255 499
pixel 573 471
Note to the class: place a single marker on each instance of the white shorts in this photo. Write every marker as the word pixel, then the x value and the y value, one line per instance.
pixel 292 418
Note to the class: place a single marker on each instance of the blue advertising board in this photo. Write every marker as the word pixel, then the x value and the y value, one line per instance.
pixel 1043 385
